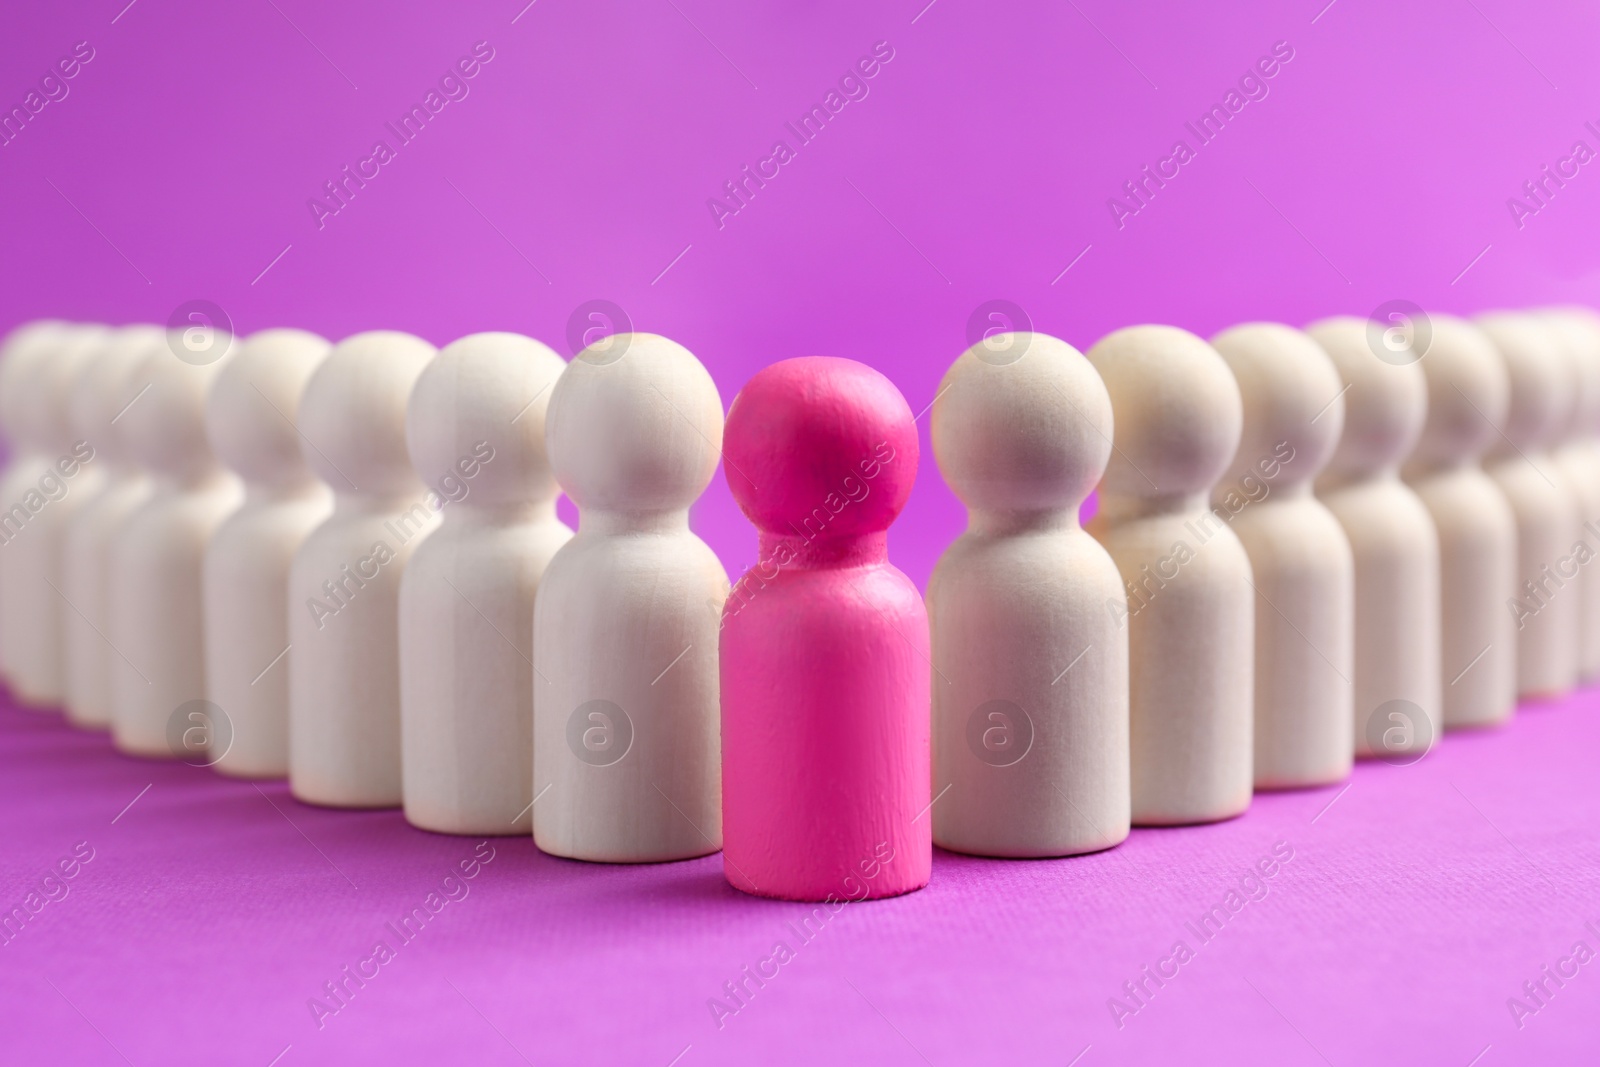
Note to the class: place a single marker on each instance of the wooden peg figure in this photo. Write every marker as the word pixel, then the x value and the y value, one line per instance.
pixel 33 616
pixel 1546 604
pixel 625 749
pixel 475 430
pixel 104 392
pixel 1304 575
pixel 1467 397
pixel 825 654
pixel 156 598
pixel 344 583
pixel 1578 457
pixel 1189 610
pixel 1030 691
pixel 250 413
pixel 1392 539
pixel 26 349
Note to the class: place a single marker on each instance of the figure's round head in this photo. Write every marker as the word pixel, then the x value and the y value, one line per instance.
pixel 821 446
pixel 1541 380
pixel 1384 403
pixel 25 350
pixel 253 404
pixel 1292 401
pixel 1178 413
pixel 1467 395
pixel 105 387
pixel 164 427
pixel 476 420
pixel 1578 328
pixel 635 433
pixel 352 417
pixel 1030 435
pixel 54 381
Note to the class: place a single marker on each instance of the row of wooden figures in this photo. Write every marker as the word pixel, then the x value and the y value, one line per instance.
pixel 343 564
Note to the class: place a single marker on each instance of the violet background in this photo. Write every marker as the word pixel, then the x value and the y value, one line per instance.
pixel 978 167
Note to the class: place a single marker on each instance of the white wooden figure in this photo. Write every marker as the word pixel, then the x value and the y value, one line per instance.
pixel 1190 609
pixel 1304 573
pixel 63 476
pixel 1393 541
pixel 627 749
pixel 1030 684
pixel 1578 458
pixel 250 415
pixel 475 429
pixel 103 393
pixel 344 584
pixel 1467 397
pixel 1546 603
pixel 156 605
pixel 24 350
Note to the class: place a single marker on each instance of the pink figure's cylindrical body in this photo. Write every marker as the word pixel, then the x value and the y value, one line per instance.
pixel 824 645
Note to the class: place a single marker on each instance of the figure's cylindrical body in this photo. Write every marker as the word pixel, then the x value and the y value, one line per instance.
pixel 825 729
pixel 1477 576
pixel 1305 583
pixel 344 670
pixel 625 735
pixel 1191 631
pixel 466 635
pixel 1396 551
pixel 246 581
pixel 1025 645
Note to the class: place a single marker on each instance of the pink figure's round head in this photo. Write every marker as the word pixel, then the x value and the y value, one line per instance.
pixel 820 446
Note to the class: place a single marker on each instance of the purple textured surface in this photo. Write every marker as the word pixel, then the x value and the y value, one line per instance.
pixel 212 913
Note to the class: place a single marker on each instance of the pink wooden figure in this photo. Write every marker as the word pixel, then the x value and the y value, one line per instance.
pixel 824 665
